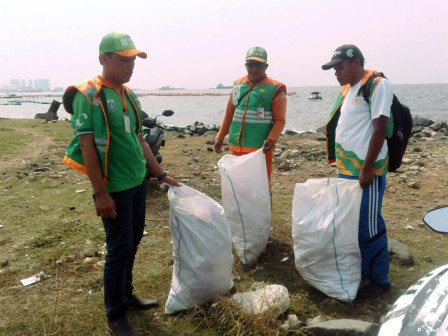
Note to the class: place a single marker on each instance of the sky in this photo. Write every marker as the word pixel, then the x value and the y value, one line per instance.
pixel 197 44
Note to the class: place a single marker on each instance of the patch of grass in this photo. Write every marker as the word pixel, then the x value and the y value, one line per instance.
pixel 11 139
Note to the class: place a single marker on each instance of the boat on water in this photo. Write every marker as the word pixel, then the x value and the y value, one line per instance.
pixel 315 95
pixel 220 86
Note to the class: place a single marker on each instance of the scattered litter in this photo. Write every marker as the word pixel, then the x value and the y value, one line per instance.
pixel 1 226
pixel 33 279
pixel 285 259
pixel 185 180
pixel 90 291
pixel 80 191
pixel 145 233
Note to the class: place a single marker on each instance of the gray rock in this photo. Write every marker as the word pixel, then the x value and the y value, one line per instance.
pixel 292 322
pixel 210 133
pixel 414 185
pixel 89 253
pixel 343 327
pixel 291 132
pixel 270 301
pixel 401 252
pixel 439 126
pixel 291 153
pixel 420 121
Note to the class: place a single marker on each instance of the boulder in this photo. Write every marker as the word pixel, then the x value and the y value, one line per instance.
pixel 270 301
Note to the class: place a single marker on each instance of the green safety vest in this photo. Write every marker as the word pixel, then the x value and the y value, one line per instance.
pixel 247 128
pixel 93 91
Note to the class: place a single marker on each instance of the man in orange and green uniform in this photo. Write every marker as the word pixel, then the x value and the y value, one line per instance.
pixel 109 147
pixel 356 140
pixel 256 110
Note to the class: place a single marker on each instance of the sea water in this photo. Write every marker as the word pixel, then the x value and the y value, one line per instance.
pixel 425 100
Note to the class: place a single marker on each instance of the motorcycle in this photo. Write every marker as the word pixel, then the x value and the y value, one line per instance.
pixel 153 133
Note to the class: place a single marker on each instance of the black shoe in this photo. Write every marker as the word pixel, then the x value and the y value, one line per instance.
pixel 373 289
pixel 141 303
pixel 121 327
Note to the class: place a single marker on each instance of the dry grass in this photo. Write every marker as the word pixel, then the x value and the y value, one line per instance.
pixel 48 226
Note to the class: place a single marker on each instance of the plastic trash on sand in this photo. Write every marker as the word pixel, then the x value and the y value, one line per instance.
pixel 33 279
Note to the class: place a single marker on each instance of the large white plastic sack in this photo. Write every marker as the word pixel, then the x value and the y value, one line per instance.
pixel 247 204
pixel 325 222
pixel 202 250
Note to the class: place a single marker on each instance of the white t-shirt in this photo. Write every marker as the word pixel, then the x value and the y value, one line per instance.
pixel 355 125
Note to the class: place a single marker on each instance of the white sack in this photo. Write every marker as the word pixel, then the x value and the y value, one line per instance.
pixel 202 250
pixel 325 222
pixel 247 203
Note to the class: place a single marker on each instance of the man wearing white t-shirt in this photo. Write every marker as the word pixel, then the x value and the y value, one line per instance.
pixel 356 133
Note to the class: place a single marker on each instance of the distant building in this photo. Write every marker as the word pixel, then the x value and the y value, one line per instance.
pixel 21 85
pixel 14 83
pixel 42 84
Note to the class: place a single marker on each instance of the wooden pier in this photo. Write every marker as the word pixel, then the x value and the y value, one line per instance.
pixel 29 98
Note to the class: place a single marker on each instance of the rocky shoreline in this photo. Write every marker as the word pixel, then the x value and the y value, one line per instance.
pixel 423 127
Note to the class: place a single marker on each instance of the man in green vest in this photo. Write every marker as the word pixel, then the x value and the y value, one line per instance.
pixel 256 110
pixel 109 147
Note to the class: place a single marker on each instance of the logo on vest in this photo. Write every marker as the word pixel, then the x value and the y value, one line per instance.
pixel 82 118
pixel 236 94
pixel 111 105
pixel 356 100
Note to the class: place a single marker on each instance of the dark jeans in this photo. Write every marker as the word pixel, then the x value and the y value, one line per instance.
pixel 123 234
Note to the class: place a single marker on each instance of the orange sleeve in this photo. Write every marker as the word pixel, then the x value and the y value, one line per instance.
pixel 279 112
pixel 225 125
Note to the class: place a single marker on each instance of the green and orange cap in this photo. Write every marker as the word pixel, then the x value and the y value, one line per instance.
pixel 257 54
pixel 120 44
